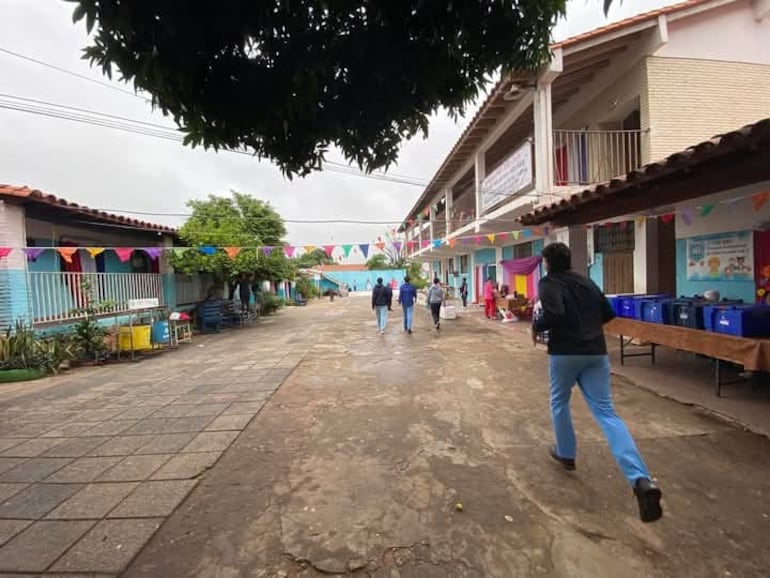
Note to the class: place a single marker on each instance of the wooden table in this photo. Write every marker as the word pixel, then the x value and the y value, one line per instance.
pixel 752 354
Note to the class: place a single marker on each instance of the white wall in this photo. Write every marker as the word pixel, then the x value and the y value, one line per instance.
pixel 12 234
pixel 640 257
pixel 728 33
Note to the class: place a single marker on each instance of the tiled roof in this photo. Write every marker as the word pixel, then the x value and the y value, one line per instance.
pixel 25 195
pixel 473 131
pixel 752 137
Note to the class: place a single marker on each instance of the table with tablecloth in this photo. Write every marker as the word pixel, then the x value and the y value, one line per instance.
pixel 751 353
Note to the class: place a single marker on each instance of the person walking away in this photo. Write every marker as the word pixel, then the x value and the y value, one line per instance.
pixel 382 298
pixel 244 293
pixel 435 300
pixel 407 297
pixel 574 311
pixel 489 300
pixel 464 293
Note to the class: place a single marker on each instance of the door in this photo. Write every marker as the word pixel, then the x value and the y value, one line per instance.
pixel 618 272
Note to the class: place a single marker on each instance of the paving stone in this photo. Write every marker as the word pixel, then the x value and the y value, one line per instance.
pixel 187 424
pixel 83 470
pixel 74 448
pixel 99 415
pixel 109 546
pixel 34 470
pixel 36 501
pixel 121 446
pixel 9 528
pixel 68 429
pixel 137 412
pixel 166 443
pixel 209 409
pixel 157 401
pixel 156 498
pixel 170 411
pixel 230 422
pixel 214 441
pixel 134 468
pixel 28 430
pixel 189 400
pixel 186 466
pixel 8 463
pixel 8 443
pixel 8 490
pixel 147 426
pixel 110 428
pixel 93 501
pixel 244 407
pixel 36 548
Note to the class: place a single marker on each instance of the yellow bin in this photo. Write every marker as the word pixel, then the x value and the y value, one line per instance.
pixel 141 338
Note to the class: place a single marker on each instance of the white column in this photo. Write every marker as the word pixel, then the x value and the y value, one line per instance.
pixel 448 195
pixel 480 170
pixel 498 266
pixel 640 256
pixel 543 118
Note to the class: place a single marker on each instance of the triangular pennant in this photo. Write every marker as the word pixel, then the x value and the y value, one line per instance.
pixel 207 250
pixel 309 248
pixel 527 233
pixel 477 239
pixel 33 253
pixel 687 216
pixel 758 201
pixel 640 221
pixel 397 246
pixel 153 252
pixel 380 246
pixel 364 249
pixel 5 251
pixel 537 231
pixel 67 253
pixel 436 243
pixel 95 251
pixel 516 235
pixel 546 230
pixel 179 251
pixel 501 236
pixel 329 250
pixel 452 242
pixel 232 252
pixel 667 218
pixel 410 243
pixel 289 251
pixel 425 243
pixel 346 249
pixel 123 253
pixel 705 210
pixel 491 238
pixel 267 251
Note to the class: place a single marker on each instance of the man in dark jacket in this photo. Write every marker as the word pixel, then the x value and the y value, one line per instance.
pixel 382 300
pixel 574 311
pixel 407 297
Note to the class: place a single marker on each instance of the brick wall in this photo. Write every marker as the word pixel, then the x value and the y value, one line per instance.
pixel 692 100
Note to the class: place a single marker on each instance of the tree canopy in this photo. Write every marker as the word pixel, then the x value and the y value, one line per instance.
pixel 313 259
pixel 287 80
pixel 236 221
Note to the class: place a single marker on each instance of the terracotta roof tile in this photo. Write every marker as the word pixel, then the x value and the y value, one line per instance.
pixel 26 195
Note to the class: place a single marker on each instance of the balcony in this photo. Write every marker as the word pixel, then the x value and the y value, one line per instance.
pixel 590 157
pixel 463 210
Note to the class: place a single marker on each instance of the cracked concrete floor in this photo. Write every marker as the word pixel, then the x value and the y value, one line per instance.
pixel 354 465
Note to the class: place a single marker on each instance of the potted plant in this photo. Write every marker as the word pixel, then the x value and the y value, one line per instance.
pixel 23 356
pixel 90 338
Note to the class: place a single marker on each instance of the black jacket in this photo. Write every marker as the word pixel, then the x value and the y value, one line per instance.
pixel 574 313
pixel 382 296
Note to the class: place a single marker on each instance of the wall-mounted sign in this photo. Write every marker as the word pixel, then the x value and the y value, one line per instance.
pixel 723 257
pixel 511 176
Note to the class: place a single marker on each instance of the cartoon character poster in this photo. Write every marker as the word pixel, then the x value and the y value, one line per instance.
pixel 724 257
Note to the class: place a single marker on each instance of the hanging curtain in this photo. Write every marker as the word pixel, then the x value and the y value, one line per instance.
pixel 74 265
pixel 525 274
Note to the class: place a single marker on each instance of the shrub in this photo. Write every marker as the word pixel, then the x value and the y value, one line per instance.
pixel 21 349
pixel 269 303
pixel 306 287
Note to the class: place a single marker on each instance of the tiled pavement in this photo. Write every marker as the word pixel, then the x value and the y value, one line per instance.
pixel 91 465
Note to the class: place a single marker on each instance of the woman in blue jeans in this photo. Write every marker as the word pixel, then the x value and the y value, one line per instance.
pixel 574 312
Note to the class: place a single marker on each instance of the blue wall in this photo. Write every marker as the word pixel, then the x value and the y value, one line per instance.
pixel 360 277
pixel 596 271
pixel 508 253
pixel 14 297
pixel 727 289
pixel 484 257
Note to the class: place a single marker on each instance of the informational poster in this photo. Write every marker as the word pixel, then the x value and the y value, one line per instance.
pixel 514 174
pixel 723 257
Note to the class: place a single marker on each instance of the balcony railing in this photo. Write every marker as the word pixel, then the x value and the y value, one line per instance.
pixel 588 157
pixel 463 210
pixel 57 297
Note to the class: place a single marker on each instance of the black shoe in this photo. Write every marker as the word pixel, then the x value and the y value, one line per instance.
pixel 409 331
pixel 648 496
pixel 438 325
pixel 567 463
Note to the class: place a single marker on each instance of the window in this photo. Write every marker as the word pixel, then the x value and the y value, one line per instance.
pixel 614 238
pixel 463 264
pixel 522 250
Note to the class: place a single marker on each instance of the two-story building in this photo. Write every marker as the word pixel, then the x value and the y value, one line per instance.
pixel 610 101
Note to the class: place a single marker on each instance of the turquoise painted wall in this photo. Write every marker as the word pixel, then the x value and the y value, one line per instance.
pixel 596 271
pixel 14 297
pixel 484 257
pixel 508 253
pixel 168 281
pixel 360 277
pixel 727 289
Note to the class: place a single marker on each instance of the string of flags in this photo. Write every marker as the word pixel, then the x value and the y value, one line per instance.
pixel 124 254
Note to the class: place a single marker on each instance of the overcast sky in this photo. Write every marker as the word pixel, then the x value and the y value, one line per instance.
pixel 111 170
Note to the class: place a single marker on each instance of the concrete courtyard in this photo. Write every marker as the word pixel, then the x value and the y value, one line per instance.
pixel 309 445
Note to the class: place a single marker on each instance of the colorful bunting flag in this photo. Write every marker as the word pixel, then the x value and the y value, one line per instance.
pixel 380 246
pixel 759 200
pixel 397 246
pixel 364 249
pixel 477 239
pixel 452 242
pixel 309 248
pixel 207 250
pixel 232 252
pixel 502 236
pixel 687 216
pixel 705 210
pixel 436 243
pixel 67 253
pixel 537 231
pixel 95 251
pixel 5 251
pixel 124 253
pixel 667 218
pixel 346 249
pixel 153 252
pixel 425 243
pixel 491 238
pixel 179 251
pixel 289 251
pixel 267 251
pixel 33 253
pixel 329 249
pixel 527 233
pixel 640 221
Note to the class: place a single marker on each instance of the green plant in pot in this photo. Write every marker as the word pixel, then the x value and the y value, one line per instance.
pixel 24 356
pixel 88 335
